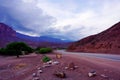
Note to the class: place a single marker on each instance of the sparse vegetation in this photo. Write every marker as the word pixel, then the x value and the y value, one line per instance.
pixel 46 58
pixel 45 50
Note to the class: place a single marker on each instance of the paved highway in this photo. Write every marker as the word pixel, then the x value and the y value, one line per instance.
pixel 96 55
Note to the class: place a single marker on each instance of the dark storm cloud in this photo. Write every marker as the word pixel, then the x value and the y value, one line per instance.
pixel 25 16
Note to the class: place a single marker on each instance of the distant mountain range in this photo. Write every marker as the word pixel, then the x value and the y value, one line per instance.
pixel 7 35
pixel 42 38
pixel 107 41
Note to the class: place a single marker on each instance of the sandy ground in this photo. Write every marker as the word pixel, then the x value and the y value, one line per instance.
pixel 12 68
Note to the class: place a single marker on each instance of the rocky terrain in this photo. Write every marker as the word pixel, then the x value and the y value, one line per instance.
pixel 107 41
pixel 30 67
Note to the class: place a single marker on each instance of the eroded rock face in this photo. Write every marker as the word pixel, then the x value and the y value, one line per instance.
pixel 107 41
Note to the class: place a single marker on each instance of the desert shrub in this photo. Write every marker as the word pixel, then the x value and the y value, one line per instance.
pixel 46 59
pixel 45 50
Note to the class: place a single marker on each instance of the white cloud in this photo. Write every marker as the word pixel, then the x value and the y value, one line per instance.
pixel 72 19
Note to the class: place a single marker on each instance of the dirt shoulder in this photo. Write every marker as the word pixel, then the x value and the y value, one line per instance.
pixel 12 68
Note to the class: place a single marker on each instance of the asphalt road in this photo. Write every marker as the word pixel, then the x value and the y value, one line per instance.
pixel 96 55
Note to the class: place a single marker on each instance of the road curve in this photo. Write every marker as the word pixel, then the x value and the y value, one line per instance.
pixel 98 55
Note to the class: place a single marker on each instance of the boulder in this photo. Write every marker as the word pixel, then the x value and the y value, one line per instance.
pixel 92 74
pixel 40 71
pixel 71 66
pixel 60 74
pixel 50 62
pixel 55 63
pixel 66 68
pixel 34 75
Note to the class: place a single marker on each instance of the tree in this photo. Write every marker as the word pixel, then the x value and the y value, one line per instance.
pixel 15 48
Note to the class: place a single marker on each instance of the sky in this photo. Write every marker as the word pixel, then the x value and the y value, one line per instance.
pixel 66 19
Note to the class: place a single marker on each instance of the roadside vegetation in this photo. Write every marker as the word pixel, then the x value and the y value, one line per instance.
pixel 45 50
pixel 21 48
pixel 16 49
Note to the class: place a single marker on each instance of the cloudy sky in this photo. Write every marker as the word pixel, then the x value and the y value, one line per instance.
pixel 68 19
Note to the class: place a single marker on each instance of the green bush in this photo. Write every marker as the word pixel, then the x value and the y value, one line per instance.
pixel 16 48
pixel 46 59
pixel 45 50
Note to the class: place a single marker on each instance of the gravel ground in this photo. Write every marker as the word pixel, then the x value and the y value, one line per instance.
pixel 12 68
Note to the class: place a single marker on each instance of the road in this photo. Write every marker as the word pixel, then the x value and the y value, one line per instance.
pixel 98 55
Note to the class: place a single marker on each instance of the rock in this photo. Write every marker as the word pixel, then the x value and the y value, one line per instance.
pixel 36 78
pixel 58 56
pixel 55 63
pixel 49 62
pixel 46 65
pixel 60 74
pixel 34 75
pixel 76 66
pixel 39 68
pixel 92 74
pixel 71 66
pixel 66 67
pixel 40 71
pixel 104 76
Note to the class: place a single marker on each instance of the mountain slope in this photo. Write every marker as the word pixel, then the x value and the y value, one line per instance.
pixel 107 41
pixel 7 35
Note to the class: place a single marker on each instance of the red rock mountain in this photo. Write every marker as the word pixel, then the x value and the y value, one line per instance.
pixel 107 41
pixel 7 35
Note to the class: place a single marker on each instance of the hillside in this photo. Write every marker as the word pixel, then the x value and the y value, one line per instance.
pixel 107 41
pixel 7 35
